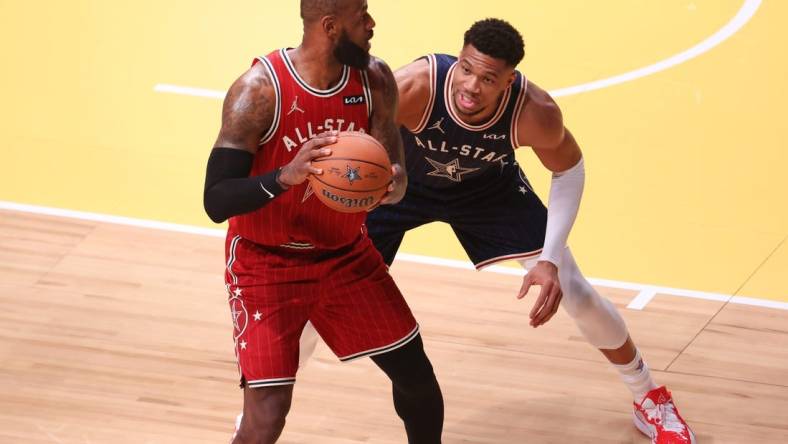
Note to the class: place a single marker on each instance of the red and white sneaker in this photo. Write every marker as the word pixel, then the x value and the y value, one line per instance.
pixel 657 417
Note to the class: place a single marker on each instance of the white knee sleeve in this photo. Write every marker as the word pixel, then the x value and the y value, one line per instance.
pixel 596 317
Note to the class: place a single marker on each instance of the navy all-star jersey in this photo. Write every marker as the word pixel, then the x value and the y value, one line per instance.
pixel 445 152
pixel 466 176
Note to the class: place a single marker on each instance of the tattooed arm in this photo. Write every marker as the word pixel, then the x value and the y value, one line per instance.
pixel 384 128
pixel 247 115
pixel 248 111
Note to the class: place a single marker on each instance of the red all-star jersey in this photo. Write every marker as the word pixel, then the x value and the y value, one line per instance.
pixel 296 219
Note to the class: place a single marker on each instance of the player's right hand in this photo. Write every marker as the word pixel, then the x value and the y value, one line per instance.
pixel 545 275
pixel 300 167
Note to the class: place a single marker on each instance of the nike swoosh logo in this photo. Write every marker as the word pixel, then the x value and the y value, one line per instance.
pixel 270 195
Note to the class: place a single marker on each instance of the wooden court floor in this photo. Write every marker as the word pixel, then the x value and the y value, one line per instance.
pixel 116 334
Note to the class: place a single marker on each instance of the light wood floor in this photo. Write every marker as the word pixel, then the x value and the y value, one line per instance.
pixel 113 334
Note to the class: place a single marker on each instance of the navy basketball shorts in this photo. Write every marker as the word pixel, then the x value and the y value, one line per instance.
pixel 503 221
pixel 347 294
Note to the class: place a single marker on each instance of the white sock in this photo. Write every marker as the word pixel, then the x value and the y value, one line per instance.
pixel 636 377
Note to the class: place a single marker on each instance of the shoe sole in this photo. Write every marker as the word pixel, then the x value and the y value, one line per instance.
pixel 645 429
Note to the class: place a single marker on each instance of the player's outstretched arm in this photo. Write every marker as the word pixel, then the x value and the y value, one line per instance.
pixel 384 128
pixel 541 126
pixel 246 115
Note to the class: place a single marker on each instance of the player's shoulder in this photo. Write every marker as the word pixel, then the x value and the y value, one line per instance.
pixel 256 82
pixel 249 107
pixel 414 78
pixel 379 72
pixel 541 120
pixel 417 71
pixel 382 84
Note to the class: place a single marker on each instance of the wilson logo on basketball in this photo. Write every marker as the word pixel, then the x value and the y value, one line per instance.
pixel 353 100
pixel 350 202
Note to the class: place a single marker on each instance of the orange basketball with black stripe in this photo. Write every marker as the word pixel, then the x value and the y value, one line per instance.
pixel 355 175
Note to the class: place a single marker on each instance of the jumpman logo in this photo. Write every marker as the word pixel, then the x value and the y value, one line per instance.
pixel 437 125
pixel 294 107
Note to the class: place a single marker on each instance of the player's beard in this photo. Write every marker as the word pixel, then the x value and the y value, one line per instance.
pixel 348 53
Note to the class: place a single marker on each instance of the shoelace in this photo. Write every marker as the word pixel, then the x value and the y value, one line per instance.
pixel 665 414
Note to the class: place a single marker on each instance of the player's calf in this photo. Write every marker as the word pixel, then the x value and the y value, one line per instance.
pixel 265 410
pixel 417 396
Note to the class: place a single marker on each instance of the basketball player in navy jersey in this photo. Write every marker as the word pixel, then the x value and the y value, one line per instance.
pixel 290 259
pixel 462 118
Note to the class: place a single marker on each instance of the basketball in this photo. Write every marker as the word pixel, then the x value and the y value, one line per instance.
pixel 355 175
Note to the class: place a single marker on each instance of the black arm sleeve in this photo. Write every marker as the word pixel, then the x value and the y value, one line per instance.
pixel 228 189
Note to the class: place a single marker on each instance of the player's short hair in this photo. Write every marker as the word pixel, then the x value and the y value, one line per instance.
pixel 498 39
pixel 312 10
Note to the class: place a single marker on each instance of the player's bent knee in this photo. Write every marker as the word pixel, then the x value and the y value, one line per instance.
pixel 579 301
pixel 596 317
pixel 408 367
pixel 265 412
pixel 575 303
pixel 579 296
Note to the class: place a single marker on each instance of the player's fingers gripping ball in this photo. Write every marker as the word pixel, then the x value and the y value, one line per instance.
pixel 355 175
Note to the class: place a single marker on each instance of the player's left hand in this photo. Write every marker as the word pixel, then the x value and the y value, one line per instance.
pixel 544 274
pixel 397 187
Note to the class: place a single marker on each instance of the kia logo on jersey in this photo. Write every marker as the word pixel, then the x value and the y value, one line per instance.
pixel 354 100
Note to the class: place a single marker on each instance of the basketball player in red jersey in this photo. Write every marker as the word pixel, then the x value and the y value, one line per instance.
pixel 290 259
pixel 462 118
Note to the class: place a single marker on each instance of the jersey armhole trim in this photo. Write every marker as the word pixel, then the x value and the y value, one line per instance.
pixel 277 103
pixel 518 108
pixel 367 92
pixel 433 65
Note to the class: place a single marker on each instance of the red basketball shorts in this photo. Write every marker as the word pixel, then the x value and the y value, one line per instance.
pixel 347 294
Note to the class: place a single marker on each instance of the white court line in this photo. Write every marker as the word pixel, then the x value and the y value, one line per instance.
pixel 189 91
pixel 120 220
pixel 741 18
pixel 647 292
pixel 745 13
pixel 642 299
pixel 759 302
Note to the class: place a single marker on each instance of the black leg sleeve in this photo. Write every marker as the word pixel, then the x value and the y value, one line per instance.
pixel 417 395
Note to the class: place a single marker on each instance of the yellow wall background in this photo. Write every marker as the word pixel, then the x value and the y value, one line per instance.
pixel 686 168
